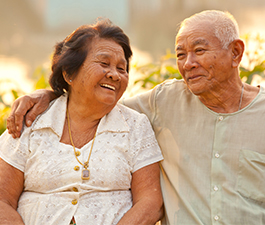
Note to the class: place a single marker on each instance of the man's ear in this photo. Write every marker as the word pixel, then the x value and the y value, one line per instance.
pixel 238 48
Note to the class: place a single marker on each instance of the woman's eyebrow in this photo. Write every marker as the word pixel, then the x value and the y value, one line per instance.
pixel 107 56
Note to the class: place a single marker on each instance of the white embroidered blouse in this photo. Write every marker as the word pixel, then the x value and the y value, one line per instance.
pixel 53 189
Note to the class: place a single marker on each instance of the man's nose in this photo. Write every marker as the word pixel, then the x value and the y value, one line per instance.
pixel 190 62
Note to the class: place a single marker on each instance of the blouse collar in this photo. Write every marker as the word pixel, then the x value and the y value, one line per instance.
pixel 54 118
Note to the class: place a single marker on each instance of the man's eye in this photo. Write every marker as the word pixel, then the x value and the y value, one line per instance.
pixel 199 50
pixel 180 55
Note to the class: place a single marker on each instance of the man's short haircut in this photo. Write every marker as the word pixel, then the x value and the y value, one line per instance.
pixel 224 25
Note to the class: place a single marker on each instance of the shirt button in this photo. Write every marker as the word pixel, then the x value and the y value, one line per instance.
pixel 75 189
pixel 216 155
pixel 216 218
pixel 76 168
pixel 215 188
pixel 77 153
pixel 221 118
pixel 74 202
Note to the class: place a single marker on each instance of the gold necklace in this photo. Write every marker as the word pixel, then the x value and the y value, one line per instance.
pixel 241 97
pixel 85 172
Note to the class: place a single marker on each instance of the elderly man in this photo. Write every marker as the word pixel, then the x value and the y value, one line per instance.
pixel 208 125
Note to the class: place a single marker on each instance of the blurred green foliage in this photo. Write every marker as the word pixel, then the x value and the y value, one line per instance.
pixel 40 78
pixel 4 110
pixel 151 74
pixel 254 56
pixel 155 73
pixel 254 64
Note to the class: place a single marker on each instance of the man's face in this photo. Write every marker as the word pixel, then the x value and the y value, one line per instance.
pixel 202 62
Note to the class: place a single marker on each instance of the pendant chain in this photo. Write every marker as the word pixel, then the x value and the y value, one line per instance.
pixel 85 164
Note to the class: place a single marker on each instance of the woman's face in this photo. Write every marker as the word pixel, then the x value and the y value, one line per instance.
pixel 102 78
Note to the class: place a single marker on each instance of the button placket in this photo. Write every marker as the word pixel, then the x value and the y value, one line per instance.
pixel 216 169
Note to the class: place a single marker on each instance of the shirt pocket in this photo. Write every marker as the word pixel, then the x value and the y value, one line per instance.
pixel 251 176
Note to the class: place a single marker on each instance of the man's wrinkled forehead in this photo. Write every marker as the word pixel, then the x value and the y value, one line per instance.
pixel 194 33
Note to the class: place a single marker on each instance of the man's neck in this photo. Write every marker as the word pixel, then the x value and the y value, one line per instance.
pixel 229 100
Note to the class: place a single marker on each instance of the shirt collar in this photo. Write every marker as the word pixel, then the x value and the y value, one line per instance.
pixel 54 118
pixel 114 121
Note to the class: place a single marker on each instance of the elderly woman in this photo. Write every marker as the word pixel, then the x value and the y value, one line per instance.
pixel 86 159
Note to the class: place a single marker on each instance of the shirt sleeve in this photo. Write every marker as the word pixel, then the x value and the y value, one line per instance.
pixel 15 151
pixel 146 150
pixel 144 103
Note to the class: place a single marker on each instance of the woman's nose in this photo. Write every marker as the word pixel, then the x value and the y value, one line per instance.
pixel 113 74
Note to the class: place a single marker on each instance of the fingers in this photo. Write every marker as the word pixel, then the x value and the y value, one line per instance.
pixel 30 105
pixel 10 122
pixel 37 109
pixel 15 120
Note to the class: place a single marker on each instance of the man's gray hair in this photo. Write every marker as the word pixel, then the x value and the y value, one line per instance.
pixel 224 25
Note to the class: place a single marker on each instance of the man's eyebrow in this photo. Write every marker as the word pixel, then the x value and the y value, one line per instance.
pixel 199 42
pixel 178 47
pixel 196 42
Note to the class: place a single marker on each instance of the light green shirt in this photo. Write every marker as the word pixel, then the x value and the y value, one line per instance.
pixel 214 164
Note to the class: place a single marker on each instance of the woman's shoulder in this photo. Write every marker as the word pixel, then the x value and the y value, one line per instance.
pixel 128 112
pixel 132 117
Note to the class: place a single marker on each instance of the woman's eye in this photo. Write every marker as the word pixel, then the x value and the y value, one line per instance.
pixel 121 69
pixel 104 63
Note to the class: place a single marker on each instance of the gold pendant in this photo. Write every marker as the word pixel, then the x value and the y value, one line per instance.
pixel 85 174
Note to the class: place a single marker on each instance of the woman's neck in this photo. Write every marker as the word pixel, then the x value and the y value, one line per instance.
pixel 86 113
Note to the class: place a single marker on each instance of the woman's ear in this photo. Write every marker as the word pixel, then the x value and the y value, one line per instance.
pixel 238 48
pixel 66 78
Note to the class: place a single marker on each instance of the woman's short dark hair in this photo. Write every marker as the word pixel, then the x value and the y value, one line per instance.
pixel 70 54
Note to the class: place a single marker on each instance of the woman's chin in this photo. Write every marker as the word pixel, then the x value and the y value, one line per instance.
pixel 109 101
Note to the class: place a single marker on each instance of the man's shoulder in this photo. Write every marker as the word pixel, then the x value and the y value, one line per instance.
pixel 172 88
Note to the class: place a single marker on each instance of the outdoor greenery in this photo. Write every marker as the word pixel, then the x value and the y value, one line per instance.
pixel 152 73
pixel 253 64
pixel 40 78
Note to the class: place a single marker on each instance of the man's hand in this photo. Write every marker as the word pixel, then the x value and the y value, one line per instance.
pixel 29 106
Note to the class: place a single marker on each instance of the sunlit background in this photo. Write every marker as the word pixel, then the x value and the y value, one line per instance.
pixel 30 28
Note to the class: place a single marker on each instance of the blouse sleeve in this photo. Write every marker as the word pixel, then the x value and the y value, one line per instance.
pixel 15 151
pixel 146 150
